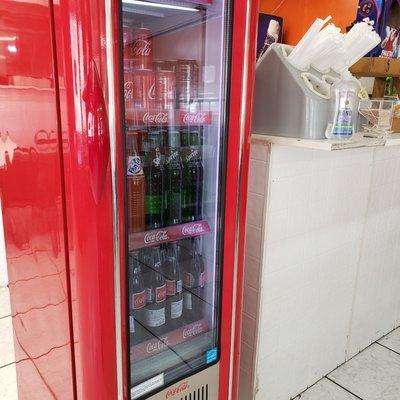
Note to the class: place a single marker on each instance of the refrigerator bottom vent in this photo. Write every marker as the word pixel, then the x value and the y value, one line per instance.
pixel 199 394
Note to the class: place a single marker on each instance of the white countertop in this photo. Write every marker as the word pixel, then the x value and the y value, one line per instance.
pixel 325 144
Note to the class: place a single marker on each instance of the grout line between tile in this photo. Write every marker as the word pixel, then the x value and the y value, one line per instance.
pixel 347 390
pixel 358 265
pixel 388 348
pixel 7 365
pixel 5 316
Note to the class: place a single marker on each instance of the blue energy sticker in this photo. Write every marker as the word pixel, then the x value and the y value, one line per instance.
pixel 211 355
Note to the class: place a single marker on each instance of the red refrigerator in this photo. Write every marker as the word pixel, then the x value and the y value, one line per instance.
pixel 152 100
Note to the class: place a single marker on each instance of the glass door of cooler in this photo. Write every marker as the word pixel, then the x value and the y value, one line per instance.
pixel 175 63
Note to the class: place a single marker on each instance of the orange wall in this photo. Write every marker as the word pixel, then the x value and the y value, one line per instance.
pixel 298 15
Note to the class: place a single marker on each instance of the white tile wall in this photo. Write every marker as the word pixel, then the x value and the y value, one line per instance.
pixel 322 276
pixel 377 296
pixel 254 246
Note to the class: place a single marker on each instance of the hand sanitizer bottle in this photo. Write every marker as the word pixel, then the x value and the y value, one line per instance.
pixel 344 108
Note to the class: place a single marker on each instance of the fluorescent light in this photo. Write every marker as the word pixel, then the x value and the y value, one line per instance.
pixel 159 5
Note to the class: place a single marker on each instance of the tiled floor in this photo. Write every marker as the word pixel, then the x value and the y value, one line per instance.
pixel 8 375
pixel 374 374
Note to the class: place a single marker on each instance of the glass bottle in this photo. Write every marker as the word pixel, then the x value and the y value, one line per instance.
pixel 154 184
pixel 136 185
pixel 156 296
pixel 193 179
pixel 173 279
pixel 173 180
pixel 194 282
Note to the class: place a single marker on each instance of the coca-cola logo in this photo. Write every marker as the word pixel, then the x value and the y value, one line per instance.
pixel 139 300
pixel 177 389
pixel 128 90
pixel 195 330
pixel 157 346
pixel 161 293
pixel 188 280
pixel 156 237
pixel 191 230
pixel 158 118
pixel 171 287
pixel 141 48
pixel 151 94
pixel 197 118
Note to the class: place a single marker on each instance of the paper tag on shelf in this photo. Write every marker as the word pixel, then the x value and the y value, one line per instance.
pixel 147 386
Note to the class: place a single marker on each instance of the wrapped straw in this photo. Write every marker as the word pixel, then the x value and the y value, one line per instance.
pixel 306 40
pixel 327 42
pixel 359 41
pixel 328 48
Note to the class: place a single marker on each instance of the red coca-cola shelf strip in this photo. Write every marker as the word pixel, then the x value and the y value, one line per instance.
pixel 140 240
pixel 157 345
pixel 165 117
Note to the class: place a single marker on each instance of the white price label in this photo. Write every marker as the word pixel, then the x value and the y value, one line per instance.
pixel 155 318
pixel 131 324
pixel 176 309
pixel 147 386
pixel 188 301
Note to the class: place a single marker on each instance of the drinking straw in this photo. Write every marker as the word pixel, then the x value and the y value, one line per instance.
pixel 359 41
pixel 307 39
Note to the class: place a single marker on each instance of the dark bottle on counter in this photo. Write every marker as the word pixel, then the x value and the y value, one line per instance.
pixel 193 283
pixel 156 295
pixel 173 180
pixel 154 172
pixel 137 301
pixel 193 177
pixel 173 279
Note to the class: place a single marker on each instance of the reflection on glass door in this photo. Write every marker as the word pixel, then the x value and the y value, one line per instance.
pixel 174 65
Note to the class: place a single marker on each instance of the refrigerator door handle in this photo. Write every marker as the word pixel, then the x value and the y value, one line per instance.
pixel 97 132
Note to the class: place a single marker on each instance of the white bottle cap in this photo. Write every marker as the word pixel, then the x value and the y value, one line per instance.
pixel 274 28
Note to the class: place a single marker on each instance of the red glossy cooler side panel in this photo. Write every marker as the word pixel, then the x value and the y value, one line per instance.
pixel 32 203
pixel 247 109
pixel 241 87
pixel 81 54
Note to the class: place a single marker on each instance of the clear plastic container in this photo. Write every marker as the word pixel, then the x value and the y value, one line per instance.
pixel 343 114
pixel 376 117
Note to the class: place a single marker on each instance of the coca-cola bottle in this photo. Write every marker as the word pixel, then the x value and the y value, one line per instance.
pixel 193 283
pixel 156 295
pixel 137 301
pixel 154 172
pixel 173 180
pixel 173 279
pixel 136 185
pixel 193 177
